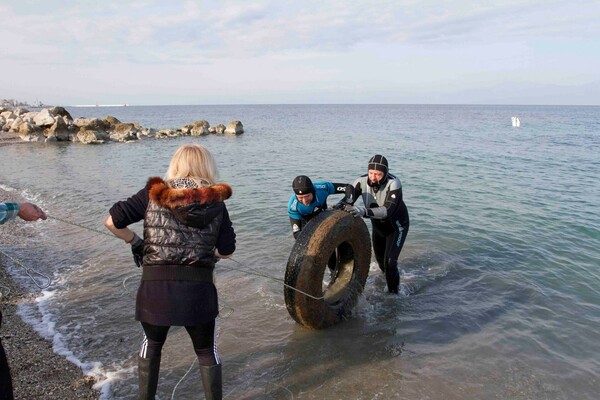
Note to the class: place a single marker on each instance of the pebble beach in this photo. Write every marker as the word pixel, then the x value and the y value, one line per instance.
pixel 37 372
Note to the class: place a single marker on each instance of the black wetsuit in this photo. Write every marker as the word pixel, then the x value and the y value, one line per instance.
pixel 389 216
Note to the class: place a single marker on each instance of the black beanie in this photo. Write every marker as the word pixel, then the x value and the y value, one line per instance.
pixel 379 163
pixel 302 185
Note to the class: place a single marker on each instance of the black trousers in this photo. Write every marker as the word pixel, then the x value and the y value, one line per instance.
pixel 203 339
pixel 6 388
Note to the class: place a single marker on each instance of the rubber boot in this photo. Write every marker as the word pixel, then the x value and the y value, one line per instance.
pixel 392 277
pixel 212 382
pixel 148 369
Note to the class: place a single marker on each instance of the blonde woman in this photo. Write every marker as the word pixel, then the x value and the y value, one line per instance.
pixel 186 230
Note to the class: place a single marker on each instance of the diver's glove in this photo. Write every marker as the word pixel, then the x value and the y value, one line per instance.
pixel 356 210
pixel 349 198
pixel 340 205
pixel 137 249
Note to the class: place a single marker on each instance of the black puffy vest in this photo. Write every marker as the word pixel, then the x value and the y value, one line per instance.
pixel 168 241
pixel 181 226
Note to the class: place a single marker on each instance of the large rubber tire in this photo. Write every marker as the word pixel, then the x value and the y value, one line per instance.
pixel 328 231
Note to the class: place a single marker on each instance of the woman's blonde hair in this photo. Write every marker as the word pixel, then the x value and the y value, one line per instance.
pixel 193 161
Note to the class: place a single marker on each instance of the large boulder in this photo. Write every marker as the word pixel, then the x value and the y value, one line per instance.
pixel 29 116
pixel 234 128
pixel 220 129
pixel 30 133
pixel 199 130
pixel 21 111
pixel 92 137
pixel 44 118
pixel 8 115
pixel 60 111
pixel 91 124
pixel 124 132
pixel 196 128
pixel 186 129
pixel 125 127
pixel 112 121
pixel 168 133
pixel 15 125
pixel 60 130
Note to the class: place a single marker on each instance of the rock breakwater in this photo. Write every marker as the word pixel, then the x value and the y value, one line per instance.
pixel 56 125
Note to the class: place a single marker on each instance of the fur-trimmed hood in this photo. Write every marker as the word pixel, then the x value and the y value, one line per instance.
pixel 193 207
pixel 167 197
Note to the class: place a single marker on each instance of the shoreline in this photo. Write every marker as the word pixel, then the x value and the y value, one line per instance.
pixel 8 138
pixel 37 371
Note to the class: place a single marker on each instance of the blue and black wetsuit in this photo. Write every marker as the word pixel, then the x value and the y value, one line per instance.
pixel 300 214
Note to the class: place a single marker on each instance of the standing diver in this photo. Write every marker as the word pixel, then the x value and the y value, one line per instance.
pixel 381 193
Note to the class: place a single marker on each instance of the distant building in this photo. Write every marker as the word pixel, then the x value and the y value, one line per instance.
pixel 13 103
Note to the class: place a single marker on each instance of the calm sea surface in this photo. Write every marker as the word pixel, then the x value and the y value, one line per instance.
pixel 501 289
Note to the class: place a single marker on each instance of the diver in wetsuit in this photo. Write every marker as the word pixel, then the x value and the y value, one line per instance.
pixel 309 199
pixel 381 193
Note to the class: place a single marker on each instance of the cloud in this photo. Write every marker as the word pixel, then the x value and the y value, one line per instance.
pixel 272 48
pixel 196 32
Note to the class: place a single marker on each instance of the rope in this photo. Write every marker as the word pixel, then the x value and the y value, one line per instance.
pixel 182 378
pixel 252 271
pixel 281 386
pixel 33 273
pixel 30 272
pixel 266 387
pixel 80 226
pixel 247 270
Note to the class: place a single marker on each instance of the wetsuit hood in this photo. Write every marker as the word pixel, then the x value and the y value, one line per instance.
pixel 378 163
pixel 303 185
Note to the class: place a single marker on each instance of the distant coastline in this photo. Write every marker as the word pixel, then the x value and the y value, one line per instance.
pixel 12 103
pixel 100 105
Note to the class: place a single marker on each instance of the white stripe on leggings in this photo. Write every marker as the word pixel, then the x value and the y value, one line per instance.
pixel 144 349
pixel 215 344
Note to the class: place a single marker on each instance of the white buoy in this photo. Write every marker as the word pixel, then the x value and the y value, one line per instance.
pixel 516 122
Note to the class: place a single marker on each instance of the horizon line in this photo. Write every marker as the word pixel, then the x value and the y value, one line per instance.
pixel 329 104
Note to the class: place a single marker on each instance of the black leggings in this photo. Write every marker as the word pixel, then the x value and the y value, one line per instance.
pixel 203 339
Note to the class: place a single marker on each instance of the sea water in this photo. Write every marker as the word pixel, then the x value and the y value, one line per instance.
pixel 500 293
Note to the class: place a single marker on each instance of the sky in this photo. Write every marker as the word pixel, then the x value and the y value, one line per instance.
pixel 300 52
